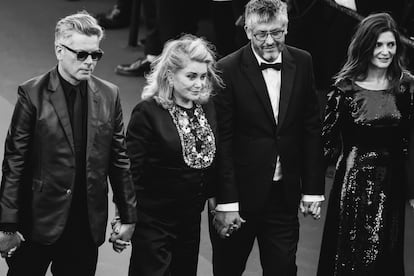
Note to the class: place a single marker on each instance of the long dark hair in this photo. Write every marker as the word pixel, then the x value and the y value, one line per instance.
pixel 362 46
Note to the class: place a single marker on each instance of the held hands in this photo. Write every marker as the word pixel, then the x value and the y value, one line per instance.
pixel 312 208
pixel 121 235
pixel 9 242
pixel 226 223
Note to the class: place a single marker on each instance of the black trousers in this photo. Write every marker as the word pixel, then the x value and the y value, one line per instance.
pixel 277 231
pixel 75 253
pixel 165 245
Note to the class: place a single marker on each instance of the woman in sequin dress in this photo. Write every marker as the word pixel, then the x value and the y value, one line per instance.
pixel 368 120
pixel 171 140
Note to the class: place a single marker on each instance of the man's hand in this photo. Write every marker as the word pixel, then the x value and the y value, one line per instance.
pixel 227 222
pixel 121 236
pixel 312 208
pixel 9 242
pixel 411 203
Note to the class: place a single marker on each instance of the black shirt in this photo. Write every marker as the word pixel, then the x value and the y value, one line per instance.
pixel 78 116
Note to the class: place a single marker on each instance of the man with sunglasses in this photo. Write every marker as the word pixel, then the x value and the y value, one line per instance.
pixel 65 139
pixel 269 153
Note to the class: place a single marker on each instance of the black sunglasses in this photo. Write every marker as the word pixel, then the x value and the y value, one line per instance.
pixel 82 55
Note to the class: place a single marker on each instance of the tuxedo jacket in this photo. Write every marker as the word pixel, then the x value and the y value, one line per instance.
pixel 250 139
pixel 39 163
pixel 164 183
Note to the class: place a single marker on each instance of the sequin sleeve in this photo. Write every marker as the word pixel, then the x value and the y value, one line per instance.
pixel 407 86
pixel 331 125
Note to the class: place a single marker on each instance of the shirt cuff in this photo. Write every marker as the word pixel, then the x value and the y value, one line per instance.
pixel 228 207
pixel 313 198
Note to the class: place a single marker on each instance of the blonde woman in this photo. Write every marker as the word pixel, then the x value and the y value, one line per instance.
pixel 171 141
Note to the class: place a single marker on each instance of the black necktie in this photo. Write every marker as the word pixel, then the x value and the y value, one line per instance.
pixel 276 66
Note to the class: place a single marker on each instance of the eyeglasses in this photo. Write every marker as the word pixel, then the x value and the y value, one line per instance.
pixel 275 34
pixel 83 55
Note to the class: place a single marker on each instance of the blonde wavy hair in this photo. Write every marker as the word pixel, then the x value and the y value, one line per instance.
pixel 175 56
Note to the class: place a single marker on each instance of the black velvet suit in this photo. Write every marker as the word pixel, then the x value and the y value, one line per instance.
pixel 157 164
pixel 170 194
pixel 250 141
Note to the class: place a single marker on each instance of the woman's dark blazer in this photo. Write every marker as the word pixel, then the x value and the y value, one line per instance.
pixel 163 181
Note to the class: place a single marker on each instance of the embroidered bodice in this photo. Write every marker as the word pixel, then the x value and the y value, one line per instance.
pixel 196 136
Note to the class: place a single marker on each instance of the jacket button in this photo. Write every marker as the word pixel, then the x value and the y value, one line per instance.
pixel 68 191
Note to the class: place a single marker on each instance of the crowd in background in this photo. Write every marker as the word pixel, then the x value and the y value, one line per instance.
pixel 321 27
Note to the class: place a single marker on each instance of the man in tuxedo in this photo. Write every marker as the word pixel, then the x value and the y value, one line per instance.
pixel 65 138
pixel 270 159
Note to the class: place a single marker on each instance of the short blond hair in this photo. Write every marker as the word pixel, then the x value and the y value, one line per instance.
pixel 81 22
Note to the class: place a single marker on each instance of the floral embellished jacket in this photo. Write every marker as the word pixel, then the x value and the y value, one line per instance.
pixel 172 155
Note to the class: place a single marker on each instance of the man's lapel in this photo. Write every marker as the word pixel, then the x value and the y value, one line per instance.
pixel 93 112
pixel 253 73
pixel 57 98
pixel 287 78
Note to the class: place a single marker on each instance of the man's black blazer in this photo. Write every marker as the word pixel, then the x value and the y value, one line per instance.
pixel 39 164
pixel 250 139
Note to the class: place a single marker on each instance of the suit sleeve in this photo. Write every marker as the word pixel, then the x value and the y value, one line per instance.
pixel 210 177
pixel 119 170
pixel 226 190
pixel 313 181
pixel 139 135
pixel 16 150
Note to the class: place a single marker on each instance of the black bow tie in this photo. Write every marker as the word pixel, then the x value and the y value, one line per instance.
pixel 276 66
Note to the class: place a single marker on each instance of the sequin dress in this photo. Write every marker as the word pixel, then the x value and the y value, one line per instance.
pixel 364 228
